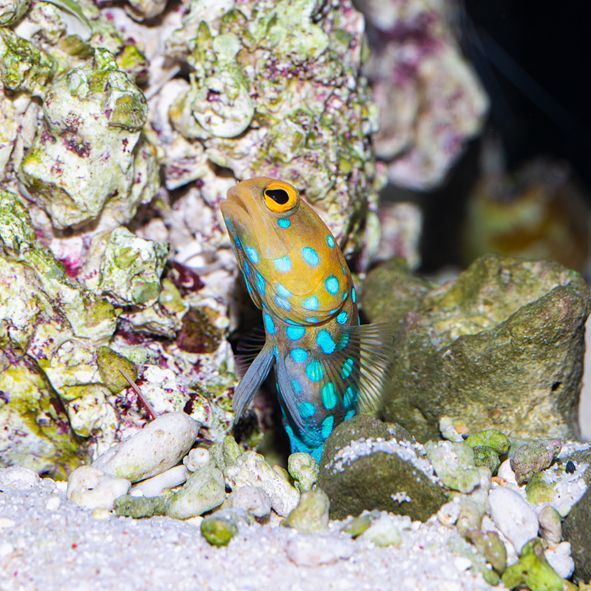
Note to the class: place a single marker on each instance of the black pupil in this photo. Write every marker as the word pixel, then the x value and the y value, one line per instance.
pixel 280 196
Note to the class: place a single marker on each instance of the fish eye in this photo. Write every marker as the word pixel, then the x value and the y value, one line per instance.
pixel 280 197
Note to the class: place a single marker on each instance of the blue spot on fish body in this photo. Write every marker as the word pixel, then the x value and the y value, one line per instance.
pixel 299 355
pixel 330 241
pixel 343 317
pixel 283 264
pixel 350 414
pixel 332 285
pixel 310 256
pixel 310 303
pixel 282 291
pixel 269 324
pixel 325 342
pixel 353 295
pixel 314 371
pixel 344 341
pixel 296 386
pixel 282 303
pixel 347 368
pixel 252 254
pixel 260 281
pixel 306 410
pixel 350 397
pixel 284 223
pixel 327 426
pixel 329 397
pixel 295 333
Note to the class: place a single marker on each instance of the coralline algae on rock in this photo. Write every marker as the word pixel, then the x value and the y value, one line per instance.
pixel 429 99
pixel 276 90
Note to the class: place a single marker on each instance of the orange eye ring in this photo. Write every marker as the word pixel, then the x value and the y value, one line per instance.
pixel 280 197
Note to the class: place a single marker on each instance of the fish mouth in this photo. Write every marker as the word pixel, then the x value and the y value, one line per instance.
pixel 234 204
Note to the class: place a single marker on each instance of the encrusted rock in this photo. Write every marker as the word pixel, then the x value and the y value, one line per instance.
pixel 251 469
pixel 577 530
pixel 533 570
pixel 219 529
pixel 140 507
pixel 369 465
pixel 533 457
pixel 302 467
pixel 550 525
pixel 501 346
pixel 490 545
pixel 454 464
pixel 429 99
pixel 252 499
pixel 491 438
pixel 89 111
pixel 12 10
pixel 34 429
pixel 203 491
pixel 160 445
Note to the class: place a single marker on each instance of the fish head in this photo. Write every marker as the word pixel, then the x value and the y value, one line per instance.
pixel 289 258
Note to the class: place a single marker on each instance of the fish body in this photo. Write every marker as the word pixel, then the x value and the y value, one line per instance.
pixel 296 274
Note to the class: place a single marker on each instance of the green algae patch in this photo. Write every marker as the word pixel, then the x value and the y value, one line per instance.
pixel 23 67
pixel 34 428
pixel 533 570
pixel 113 368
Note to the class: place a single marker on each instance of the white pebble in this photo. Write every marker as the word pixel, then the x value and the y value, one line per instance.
pixel 160 445
pixel 462 563
pixel 155 486
pixel 448 514
pixel 318 550
pixel 17 478
pixel 6 549
pixel 513 516
pixel 89 487
pixel 252 499
pixel 506 473
pixel 61 485
pixel 385 530
pixel 560 559
pixel 5 522
pixel 196 458
pixel 53 503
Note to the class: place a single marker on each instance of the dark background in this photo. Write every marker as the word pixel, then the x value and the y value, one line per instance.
pixel 533 59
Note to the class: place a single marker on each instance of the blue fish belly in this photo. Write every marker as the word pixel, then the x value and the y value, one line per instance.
pixel 317 380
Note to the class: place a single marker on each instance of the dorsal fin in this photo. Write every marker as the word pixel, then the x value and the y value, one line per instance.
pixel 248 348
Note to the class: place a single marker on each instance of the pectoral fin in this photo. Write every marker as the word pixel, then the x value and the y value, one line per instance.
pixel 251 382
pixel 360 364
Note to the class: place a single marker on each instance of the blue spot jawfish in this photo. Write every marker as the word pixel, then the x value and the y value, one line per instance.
pixel 313 338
